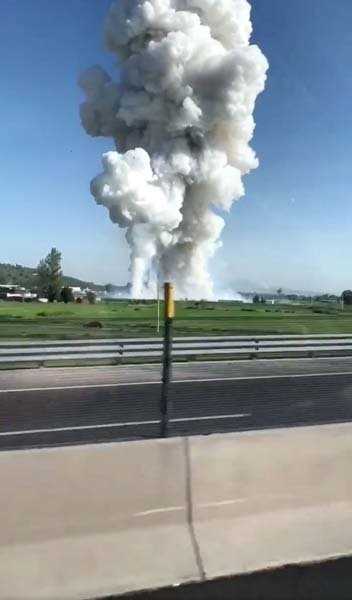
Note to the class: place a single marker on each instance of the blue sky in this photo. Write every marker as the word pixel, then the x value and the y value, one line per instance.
pixel 293 228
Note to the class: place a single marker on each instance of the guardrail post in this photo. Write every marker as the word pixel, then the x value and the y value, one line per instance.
pixel 257 348
pixel 167 359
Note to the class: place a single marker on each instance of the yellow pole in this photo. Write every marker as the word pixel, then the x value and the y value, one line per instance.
pixel 167 358
pixel 169 301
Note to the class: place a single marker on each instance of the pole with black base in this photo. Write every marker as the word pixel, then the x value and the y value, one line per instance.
pixel 167 359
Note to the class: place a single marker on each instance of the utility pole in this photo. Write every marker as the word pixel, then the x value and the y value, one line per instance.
pixel 167 359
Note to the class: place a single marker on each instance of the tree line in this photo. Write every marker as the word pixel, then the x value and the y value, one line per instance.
pixel 19 275
pixel 50 280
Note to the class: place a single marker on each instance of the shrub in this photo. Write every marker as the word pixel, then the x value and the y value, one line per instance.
pixel 91 297
pixel 94 324
pixel 67 295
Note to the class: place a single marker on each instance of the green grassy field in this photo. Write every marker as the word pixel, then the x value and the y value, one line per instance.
pixel 128 319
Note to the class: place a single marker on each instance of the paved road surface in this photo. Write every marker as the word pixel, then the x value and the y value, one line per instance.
pixel 48 377
pixel 61 406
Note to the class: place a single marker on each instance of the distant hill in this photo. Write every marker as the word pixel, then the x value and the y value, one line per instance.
pixel 26 277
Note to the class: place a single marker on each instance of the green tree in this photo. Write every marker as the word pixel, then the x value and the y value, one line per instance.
pixel 256 299
pixel 347 297
pixel 42 279
pixel 67 295
pixel 91 297
pixel 49 275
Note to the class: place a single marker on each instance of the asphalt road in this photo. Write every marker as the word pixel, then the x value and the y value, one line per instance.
pixel 64 406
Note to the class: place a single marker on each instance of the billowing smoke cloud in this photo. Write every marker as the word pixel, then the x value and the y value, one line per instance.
pixel 181 116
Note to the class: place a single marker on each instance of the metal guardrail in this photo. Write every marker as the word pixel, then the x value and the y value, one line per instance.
pixel 17 353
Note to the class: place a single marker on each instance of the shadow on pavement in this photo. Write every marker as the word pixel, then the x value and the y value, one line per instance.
pixel 319 581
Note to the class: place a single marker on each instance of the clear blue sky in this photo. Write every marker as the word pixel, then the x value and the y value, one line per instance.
pixel 293 228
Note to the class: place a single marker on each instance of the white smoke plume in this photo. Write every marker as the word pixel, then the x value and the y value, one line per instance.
pixel 181 116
